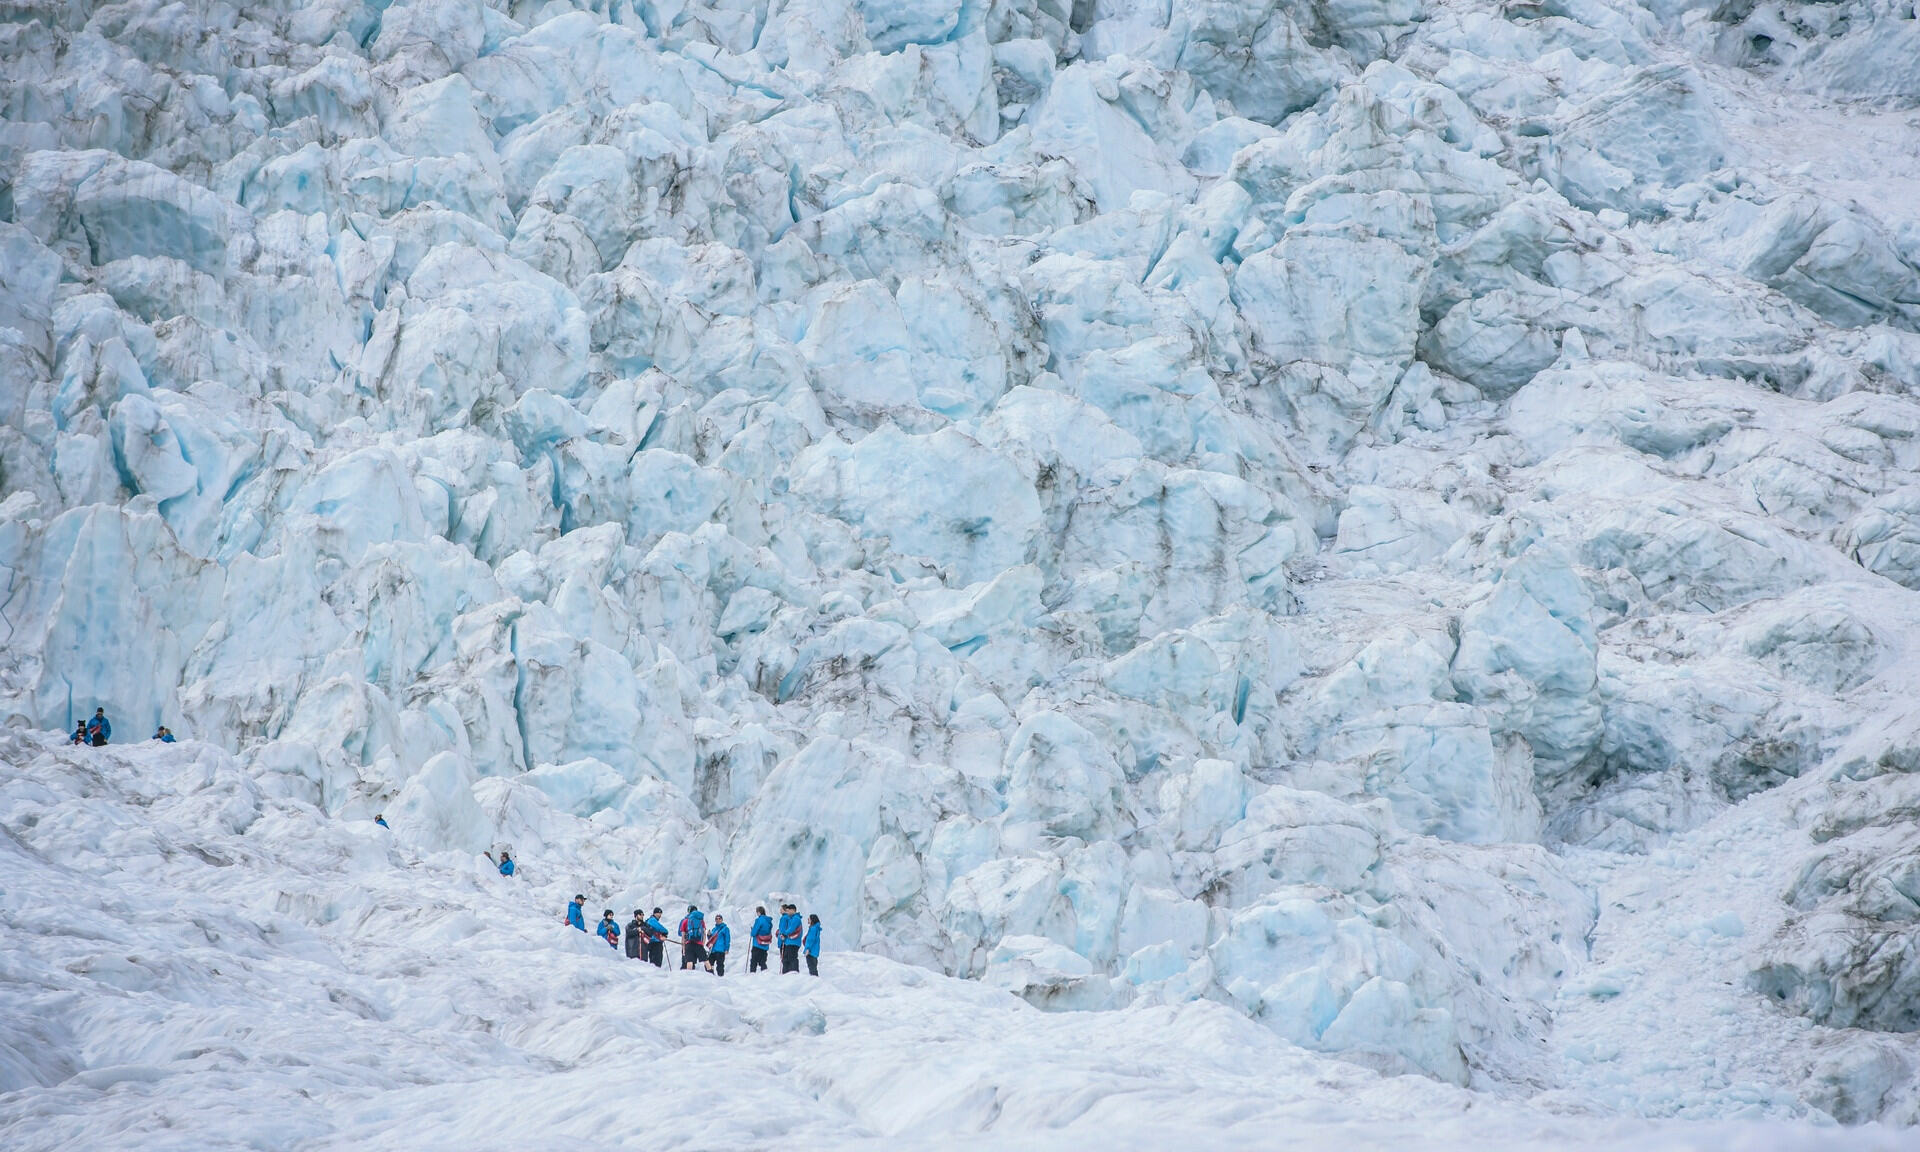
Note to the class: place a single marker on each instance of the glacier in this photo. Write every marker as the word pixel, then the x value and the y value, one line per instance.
pixel 1331 574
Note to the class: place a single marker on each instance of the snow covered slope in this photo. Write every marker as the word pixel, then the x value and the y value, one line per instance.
pixel 192 964
pixel 1388 529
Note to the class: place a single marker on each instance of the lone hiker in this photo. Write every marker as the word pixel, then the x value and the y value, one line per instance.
pixel 789 938
pixel 718 942
pixel 609 929
pixel 693 930
pixel 762 939
pixel 576 913
pixel 812 945
pixel 99 729
pixel 656 940
pixel 505 863
pixel 382 821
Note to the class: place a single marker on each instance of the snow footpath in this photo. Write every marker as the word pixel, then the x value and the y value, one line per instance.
pixel 188 963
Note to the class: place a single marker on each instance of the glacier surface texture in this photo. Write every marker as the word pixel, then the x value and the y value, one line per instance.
pixel 1337 574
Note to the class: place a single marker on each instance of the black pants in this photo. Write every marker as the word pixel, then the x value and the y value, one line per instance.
pixel 691 954
pixel 99 741
pixel 719 962
pixel 789 958
pixel 636 947
pixel 813 964
pixel 757 960
pixel 657 953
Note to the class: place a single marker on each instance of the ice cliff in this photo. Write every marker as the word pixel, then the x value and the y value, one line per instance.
pixel 1400 518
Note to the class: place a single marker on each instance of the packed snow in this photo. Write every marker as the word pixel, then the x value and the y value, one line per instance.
pixel 1335 575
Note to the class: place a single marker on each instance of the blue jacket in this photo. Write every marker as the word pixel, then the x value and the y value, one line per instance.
pixel 762 931
pixel 789 928
pixel 693 926
pixel 506 866
pixel 101 725
pixel 609 931
pixel 576 917
pixel 812 945
pixel 166 737
pixel 380 820
pixel 721 940
pixel 654 928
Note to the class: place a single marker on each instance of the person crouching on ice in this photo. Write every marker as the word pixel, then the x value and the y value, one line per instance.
pixel 718 942
pixel 609 929
pixel 79 733
pixel 693 930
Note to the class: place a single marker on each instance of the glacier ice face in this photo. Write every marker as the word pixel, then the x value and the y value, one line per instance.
pixel 1311 509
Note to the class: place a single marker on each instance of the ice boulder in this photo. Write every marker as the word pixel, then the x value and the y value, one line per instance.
pixel 1251 54
pixel 1197 804
pixel 1439 767
pixel 1047 975
pixel 1321 972
pixel 1290 837
pixel 1885 536
pixel 894 24
pixel 106 208
pixel 1652 130
pixel 436 808
pixel 1099 115
pixel 582 787
pixel 477 328
pixel 1340 294
pixel 1389 530
pixel 1061 777
pixel 943 496
pixel 1528 657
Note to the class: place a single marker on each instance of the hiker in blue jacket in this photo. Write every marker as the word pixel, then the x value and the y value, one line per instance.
pixel 576 913
pixel 609 929
pixel 656 940
pixel 163 734
pixel 693 932
pixel 762 939
pixel 789 938
pixel 812 945
pixel 99 729
pixel 505 863
pixel 718 942
pixel 382 821
pixel 79 733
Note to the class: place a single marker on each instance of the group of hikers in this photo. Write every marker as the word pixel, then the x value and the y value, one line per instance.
pixel 702 946
pixel 99 730
pixel 706 947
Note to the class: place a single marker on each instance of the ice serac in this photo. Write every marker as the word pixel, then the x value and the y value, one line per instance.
pixel 1377 531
